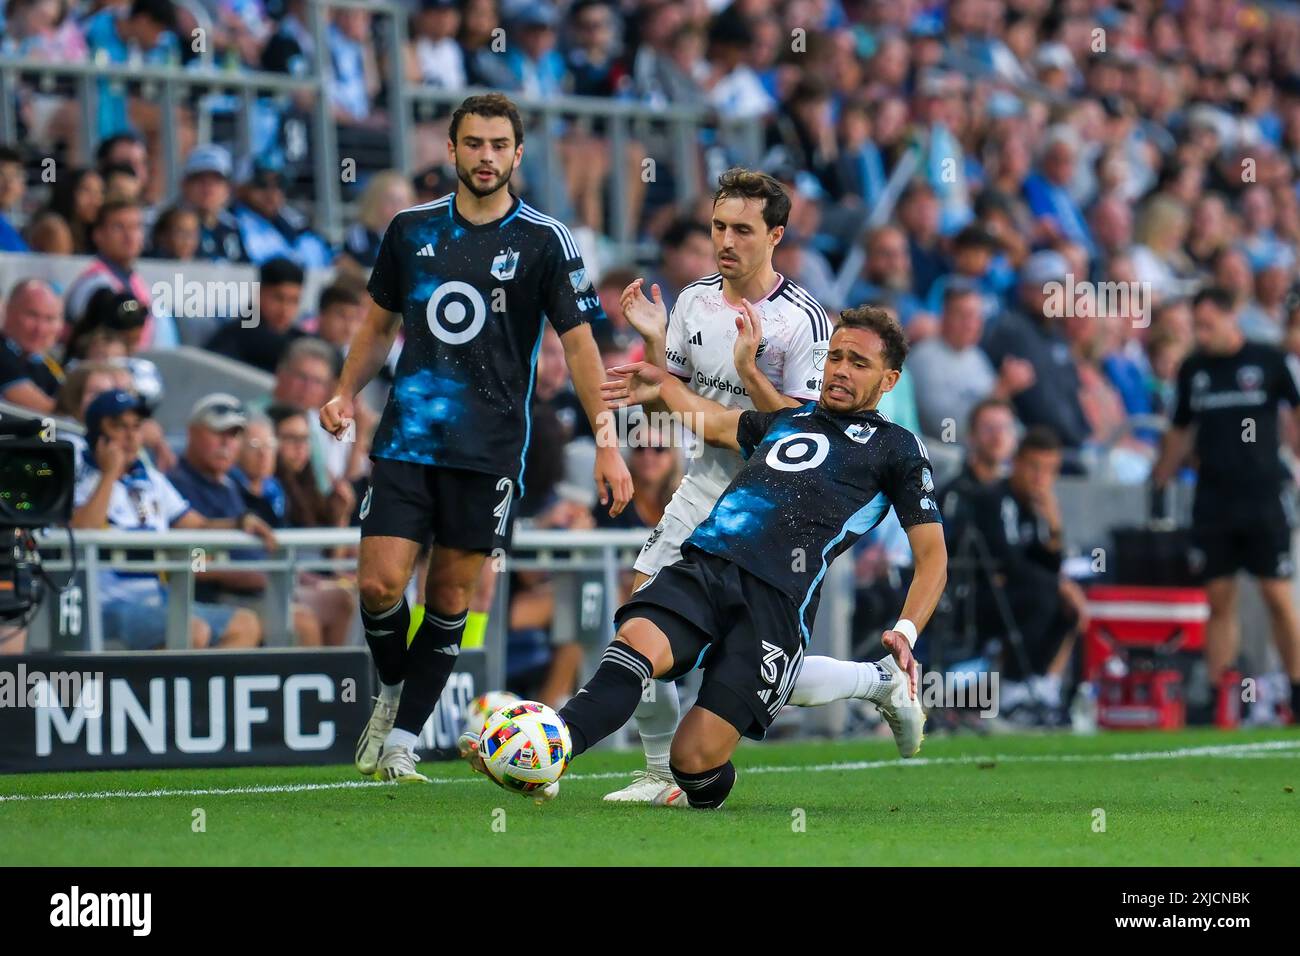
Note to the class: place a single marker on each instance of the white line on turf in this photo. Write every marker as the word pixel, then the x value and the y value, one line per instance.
pixel 1269 748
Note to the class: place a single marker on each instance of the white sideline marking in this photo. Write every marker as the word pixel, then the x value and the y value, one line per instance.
pixel 1262 749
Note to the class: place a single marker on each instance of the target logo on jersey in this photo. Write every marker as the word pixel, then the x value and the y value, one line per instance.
pixel 456 312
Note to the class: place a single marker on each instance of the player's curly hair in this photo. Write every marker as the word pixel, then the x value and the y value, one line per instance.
pixel 875 319
pixel 751 184
pixel 488 104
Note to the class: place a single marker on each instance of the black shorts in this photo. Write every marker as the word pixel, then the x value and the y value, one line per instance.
pixel 741 630
pixel 1261 548
pixel 451 507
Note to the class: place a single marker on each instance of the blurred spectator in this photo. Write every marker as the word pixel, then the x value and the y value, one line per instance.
pixel 887 280
pixel 33 323
pixel 176 235
pixel 306 505
pixel 262 342
pixel 1158 257
pixel 13 185
pixel 144 30
pixel 386 194
pixel 254 471
pixel 990 443
pixel 271 229
pixel 118 237
pixel 49 235
pixel 973 250
pixel 123 149
pixel 918 215
pixel 120 182
pixel 656 467
pixel 1016 522
pixel 1048 191
pixel 436 58
pixel 338 316
pixel 735 90
pixel 591 57
pixel 951 374
pixel 118 488
pixel 685 255
pixel 1030 334
pixel 203 477
pixel 76 197
pixel 205 187
pixel 109 316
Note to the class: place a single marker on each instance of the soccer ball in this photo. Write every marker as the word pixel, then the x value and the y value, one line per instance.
pixel 483 706
pixel 525 746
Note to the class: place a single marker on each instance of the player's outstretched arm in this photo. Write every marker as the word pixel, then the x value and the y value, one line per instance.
pixel 930 556
pixel 585 368
pixel 749 332
pixel 366 355
pixel 644 384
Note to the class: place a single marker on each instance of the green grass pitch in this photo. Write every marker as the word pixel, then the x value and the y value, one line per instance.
pixel 1192 798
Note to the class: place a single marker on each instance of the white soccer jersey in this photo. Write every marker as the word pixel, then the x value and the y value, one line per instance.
pixel 700 349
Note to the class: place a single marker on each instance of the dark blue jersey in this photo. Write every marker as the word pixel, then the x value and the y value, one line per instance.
pixel 473 299
pixel 812 484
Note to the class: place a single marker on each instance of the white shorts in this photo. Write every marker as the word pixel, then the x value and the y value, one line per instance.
pixel 664 546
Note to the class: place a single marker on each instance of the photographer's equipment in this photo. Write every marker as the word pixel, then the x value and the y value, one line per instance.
pixel 36 483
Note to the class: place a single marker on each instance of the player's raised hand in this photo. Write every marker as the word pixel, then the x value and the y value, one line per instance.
pixel 337 414
pixel 896 643
pixel 749 332
pixel 634 384
pixel 650 319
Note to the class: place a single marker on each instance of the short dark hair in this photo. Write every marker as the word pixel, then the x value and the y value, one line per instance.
pixel 281 411
pixel 1217 296
pixel 957 287
pixel 1039 438
pixel 9 154
pixel 106 147
pixel 681 229
pixel 751 184
pixel 118 169
pixel 280 271
pixel 162 12
pixel 340 293
pixel 985 405
pixel 488 104
pixel 875 319
pixel 112 206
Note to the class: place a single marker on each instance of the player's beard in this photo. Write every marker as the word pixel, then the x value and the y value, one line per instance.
pixel 466 176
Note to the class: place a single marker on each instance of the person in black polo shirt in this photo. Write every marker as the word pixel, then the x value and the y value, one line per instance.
pixel 33 320
pixel 263 342
pixel 1226 410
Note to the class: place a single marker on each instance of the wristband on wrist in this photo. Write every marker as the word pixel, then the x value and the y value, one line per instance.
pixel 907 629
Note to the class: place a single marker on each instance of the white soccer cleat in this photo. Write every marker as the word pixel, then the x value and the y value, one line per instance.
pixel 649 787
pixel 397 765
pixel 371 745
pixel 903 714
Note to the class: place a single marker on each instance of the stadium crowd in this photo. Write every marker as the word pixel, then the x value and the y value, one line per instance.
pixel 1073 172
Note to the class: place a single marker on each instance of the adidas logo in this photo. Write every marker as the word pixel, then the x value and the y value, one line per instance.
pixel 697 338
pixel 427 250
pixel 765 694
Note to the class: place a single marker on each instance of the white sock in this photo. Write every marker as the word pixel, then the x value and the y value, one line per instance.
pixel 656 722
pixel 390 694
pixel 400 738
pixel 826 679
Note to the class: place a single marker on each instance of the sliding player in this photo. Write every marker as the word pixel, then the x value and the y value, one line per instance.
pixel 816 478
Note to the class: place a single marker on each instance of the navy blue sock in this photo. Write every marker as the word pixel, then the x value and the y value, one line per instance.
pixel 429 662
pixel 707 790
pixel 386 636
pixel 606 702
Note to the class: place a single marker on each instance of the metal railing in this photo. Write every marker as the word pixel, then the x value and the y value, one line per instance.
pixel 677 129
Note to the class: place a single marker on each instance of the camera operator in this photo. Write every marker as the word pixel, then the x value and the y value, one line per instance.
pixel 119 489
